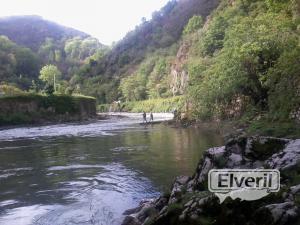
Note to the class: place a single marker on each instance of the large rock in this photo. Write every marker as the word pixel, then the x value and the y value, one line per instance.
pixel 278 214
pixel 288 158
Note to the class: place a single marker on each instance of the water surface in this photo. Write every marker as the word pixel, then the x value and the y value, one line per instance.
pixel 90 173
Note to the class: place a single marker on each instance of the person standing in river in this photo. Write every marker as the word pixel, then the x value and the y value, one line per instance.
pixel 144 117
pixel 151 117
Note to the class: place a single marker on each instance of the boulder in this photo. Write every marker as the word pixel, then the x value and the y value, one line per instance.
pixel 288 158
pixel 278 214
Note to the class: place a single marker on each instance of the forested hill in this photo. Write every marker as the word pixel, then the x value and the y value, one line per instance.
pixel 163 30
pixel 28 43
pixel 32 31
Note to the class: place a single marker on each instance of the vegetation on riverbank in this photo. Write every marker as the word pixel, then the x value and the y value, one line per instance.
pixel 150 105
pixel 37 108
pixel 247 55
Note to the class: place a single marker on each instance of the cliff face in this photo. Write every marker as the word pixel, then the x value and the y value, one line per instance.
pixel 179 75
pixel 40 109
pixel 189 201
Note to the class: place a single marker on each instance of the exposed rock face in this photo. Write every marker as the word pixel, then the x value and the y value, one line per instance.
pixel 179 75
pixel 190 203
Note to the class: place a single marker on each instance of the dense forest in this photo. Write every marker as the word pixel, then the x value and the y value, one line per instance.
pixel 221 56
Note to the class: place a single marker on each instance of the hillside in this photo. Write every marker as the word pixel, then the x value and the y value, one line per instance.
pixel 163 30
pixel 146 50
pixel 32 31
pixel 27 43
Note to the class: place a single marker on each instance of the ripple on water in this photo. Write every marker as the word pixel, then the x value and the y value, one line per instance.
pixel 73 167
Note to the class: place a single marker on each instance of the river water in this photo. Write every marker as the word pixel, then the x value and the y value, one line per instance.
pixel 90 173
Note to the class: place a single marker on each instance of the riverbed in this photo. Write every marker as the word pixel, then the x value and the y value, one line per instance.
pixel 90 173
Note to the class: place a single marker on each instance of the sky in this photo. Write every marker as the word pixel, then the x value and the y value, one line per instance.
pixel 107 20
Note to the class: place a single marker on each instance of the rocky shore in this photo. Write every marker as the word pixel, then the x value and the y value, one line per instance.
pixel 189 201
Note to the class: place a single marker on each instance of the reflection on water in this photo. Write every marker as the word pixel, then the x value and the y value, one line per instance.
pixel 92 179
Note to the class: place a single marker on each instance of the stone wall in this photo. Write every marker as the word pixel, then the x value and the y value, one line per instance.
pixel 39 109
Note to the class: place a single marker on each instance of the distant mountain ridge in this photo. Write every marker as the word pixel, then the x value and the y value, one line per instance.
pixel 32 31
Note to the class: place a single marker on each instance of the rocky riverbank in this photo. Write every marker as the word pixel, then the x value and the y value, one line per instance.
pixel 189 202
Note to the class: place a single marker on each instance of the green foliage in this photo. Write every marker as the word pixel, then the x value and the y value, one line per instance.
pixel 267 126
pixel 155 105
pixel 103 108
pixel 284 85
pixel 151 79
pixel 213 38
pixel 51 75
pixel 194 24
pixel 103 89
pixel 18 65
pixel 133 87
pixel 9 90
pixel 250 54
pixel 158 85
pixel 49 89
pixel 277 5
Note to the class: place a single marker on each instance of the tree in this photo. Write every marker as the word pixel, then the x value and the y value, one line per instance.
pixel 50 74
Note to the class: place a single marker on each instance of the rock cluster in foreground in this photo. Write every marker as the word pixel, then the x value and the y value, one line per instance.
pixel 190 203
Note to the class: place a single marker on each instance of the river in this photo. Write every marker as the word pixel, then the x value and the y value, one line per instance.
pixel 90 173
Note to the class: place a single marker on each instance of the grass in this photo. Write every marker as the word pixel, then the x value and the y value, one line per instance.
pixel 287 129
pixel 151 105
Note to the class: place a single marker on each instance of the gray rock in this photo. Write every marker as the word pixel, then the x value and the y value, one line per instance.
pixel 282 213
pixel 182 179
pixel 131 220
pixel 289 158
pixel 132 211
pixel 206 167
pixel 189 203
pixel 234 160
pixel 178 187
pixel 295 189
pixel 216 153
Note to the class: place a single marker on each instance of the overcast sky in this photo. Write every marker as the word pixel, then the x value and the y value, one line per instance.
pixel 107 20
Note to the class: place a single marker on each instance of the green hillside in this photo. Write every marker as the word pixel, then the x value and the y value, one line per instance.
pixel 28 43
